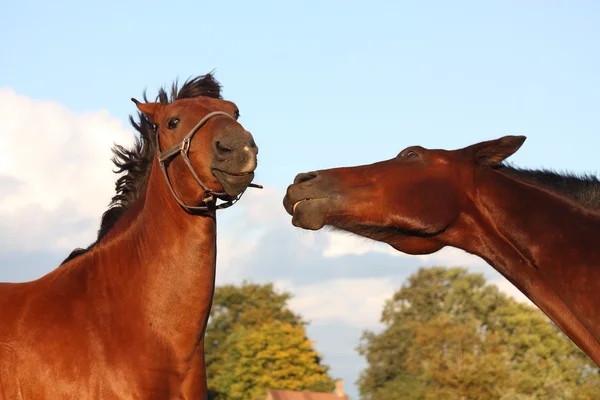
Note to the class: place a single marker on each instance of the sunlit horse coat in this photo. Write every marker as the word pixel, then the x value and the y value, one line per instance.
pixel 125 318
pixel 539 229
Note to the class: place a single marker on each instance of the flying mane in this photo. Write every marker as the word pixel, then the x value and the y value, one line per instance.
pixel 583 190
pixel 135 162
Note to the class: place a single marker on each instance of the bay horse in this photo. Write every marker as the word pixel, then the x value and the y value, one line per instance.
pixel 125 318
pixel 539 229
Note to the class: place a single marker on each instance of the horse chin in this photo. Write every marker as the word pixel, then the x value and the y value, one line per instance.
pixel 415 245
pixel 233 184
pixel 310 214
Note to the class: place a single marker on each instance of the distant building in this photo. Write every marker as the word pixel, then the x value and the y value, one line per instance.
pixel 338 394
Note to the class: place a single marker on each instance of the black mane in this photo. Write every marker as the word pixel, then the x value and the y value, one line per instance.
pixel 583 190
pixel 135 162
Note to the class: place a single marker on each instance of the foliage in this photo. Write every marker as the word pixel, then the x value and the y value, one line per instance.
pixel 276 356
pixel 450 335
pixel 244 318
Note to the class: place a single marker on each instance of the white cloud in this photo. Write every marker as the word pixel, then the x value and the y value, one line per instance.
pixel 356 301
pixel 56 180
pixel 56 176
pixel 341 244
pixel 246 240
pixel 246 235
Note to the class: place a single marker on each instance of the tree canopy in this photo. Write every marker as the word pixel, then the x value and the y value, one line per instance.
pixel 276 355
pixel 254 342
pixel 448 334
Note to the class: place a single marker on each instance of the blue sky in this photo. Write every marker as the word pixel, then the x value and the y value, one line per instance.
pixel 319 84
pixel 328 83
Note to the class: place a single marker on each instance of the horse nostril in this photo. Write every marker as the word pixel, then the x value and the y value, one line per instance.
pixel 305 177
pixel 222 148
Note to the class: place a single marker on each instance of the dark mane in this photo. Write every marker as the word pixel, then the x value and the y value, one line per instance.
pixel 583 190
pixel 135 162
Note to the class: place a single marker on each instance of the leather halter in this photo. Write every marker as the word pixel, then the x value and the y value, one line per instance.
pixel 210 196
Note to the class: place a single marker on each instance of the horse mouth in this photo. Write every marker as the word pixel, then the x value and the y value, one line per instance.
pixel 308 212
pixel 291 206
pixel 234 174
pixel 297 203
pixel 233 183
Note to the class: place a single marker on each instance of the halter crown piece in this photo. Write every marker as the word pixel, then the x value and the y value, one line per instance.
pixel 183 148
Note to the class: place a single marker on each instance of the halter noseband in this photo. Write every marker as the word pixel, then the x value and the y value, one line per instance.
pixel 210 196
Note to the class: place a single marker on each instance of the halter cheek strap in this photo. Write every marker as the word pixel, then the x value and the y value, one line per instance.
pixel 183 148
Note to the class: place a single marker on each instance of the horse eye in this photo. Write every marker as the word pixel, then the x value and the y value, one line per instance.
pixel 236 114
pixel 408 154
pixel 173 123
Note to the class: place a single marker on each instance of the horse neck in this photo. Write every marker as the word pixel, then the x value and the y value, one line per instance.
pixel 544 228
pixel 160 261
pixel 545 245
pixel 584 191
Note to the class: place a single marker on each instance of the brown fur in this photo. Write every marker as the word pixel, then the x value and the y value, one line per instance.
pixel 126 318
pixel 135 163
pixel 542 236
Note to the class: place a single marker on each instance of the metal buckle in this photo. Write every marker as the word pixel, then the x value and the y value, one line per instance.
pixel 185 145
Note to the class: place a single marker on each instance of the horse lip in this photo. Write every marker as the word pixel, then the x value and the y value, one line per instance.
pixel 297 203
pixel 233 183
pixel 238 174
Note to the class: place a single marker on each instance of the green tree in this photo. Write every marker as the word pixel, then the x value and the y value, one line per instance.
pixel 277 356
pixel 237 312
pixel 457 360
pixel 450 335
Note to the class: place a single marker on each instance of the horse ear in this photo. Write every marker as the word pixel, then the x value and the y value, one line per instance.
pixel 493 152
pixel 148 109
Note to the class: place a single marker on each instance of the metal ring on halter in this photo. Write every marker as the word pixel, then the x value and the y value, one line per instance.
pixel 182 149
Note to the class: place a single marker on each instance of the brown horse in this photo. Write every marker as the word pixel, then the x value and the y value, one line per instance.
pixel 125 318
pixel 539 229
